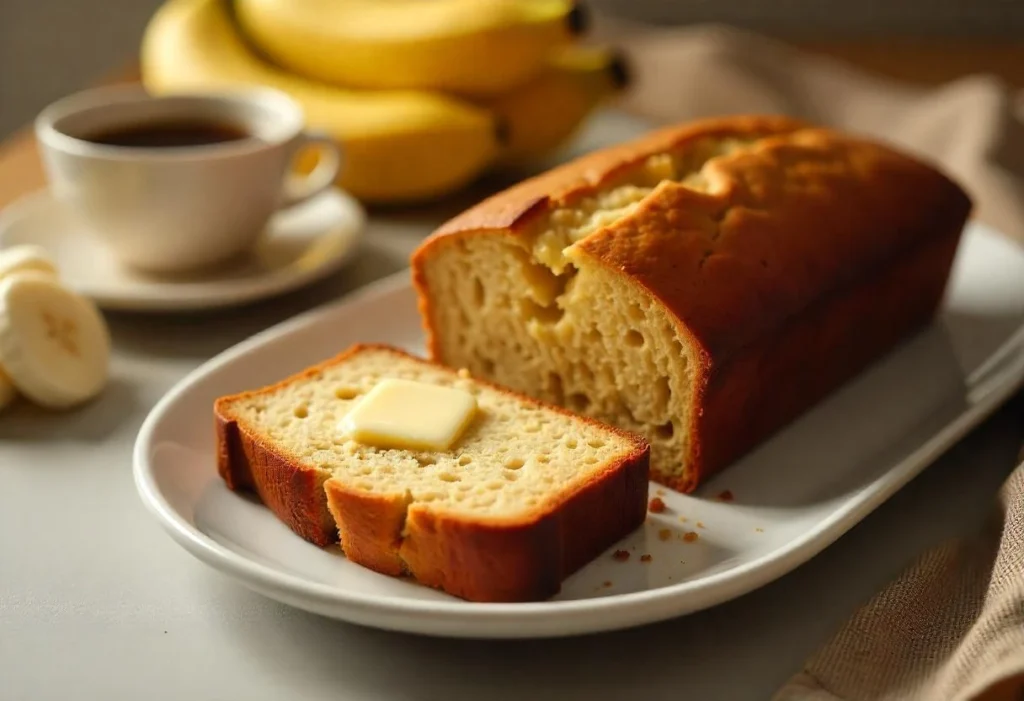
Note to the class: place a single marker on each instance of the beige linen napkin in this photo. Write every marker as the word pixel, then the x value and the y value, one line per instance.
pixel 952 626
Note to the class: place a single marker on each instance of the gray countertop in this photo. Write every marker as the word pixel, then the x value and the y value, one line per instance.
pixel 96 602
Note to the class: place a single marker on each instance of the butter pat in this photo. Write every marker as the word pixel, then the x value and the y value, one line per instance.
pixel 413 415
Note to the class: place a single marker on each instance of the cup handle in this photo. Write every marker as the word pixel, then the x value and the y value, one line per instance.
pixel 299 188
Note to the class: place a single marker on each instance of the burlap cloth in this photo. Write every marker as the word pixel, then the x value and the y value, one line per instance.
pixel 952 626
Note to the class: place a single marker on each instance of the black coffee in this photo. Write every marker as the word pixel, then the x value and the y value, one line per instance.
pixel 169 134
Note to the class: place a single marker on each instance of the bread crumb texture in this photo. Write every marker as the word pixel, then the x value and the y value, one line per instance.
pixel 513 457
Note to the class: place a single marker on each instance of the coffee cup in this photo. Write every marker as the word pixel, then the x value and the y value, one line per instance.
pixel 177 183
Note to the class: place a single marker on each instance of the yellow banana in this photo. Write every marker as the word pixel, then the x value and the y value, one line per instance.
pixel 467 47
pixel 398 145
pixel 545 113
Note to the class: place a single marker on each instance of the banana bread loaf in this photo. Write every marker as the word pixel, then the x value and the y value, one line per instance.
pixel 703 285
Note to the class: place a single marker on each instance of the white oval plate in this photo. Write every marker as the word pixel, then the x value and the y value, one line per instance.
pixel 300 245
pixel 792 497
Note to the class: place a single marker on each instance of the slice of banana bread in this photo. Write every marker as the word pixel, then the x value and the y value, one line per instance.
pixel 527 494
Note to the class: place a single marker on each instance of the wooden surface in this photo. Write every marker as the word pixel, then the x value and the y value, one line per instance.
pixel 929 63
pixel 21 170
pixel 922 62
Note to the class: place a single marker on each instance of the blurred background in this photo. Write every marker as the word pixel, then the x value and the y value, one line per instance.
pixel 51 47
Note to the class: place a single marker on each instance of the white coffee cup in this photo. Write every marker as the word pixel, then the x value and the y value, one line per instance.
pixel 175 209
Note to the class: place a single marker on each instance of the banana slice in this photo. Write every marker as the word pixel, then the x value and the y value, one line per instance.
pixel 54 344
pixel 26 257
pixel 8 392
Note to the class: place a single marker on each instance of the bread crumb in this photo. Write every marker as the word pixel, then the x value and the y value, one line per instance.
pixel 664 534
pixel 660 493
pixel 464 373
pixel 700 524
pixel 726 496
pixel 690 537
pixel 621 555
pixel 656 506
pixel 606 583
pixel 759 530
pixel 645 558
pixel 683 519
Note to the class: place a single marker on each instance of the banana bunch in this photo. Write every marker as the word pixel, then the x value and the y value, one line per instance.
pixel 54 344
pixel 423 96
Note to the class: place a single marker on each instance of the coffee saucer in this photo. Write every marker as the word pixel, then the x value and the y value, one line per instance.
pixel 300 245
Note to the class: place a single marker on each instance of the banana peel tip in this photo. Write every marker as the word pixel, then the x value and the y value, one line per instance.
pixel 620 70
pixel 578 19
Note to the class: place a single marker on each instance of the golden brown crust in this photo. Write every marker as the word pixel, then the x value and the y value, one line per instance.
pixel 802 362
pixel 293 492
pixel 369 525
pixel 509 560
pixel 518 205
pixel 484 562
pixel 786 255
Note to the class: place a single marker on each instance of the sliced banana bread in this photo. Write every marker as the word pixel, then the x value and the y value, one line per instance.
pixel 702 285
pixel 526 495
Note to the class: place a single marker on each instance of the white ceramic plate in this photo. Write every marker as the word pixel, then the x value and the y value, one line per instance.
pixel 300 245
pixel 792 497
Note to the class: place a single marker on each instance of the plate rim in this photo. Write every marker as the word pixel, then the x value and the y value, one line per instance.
pixel 577 616
pixel 273 285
